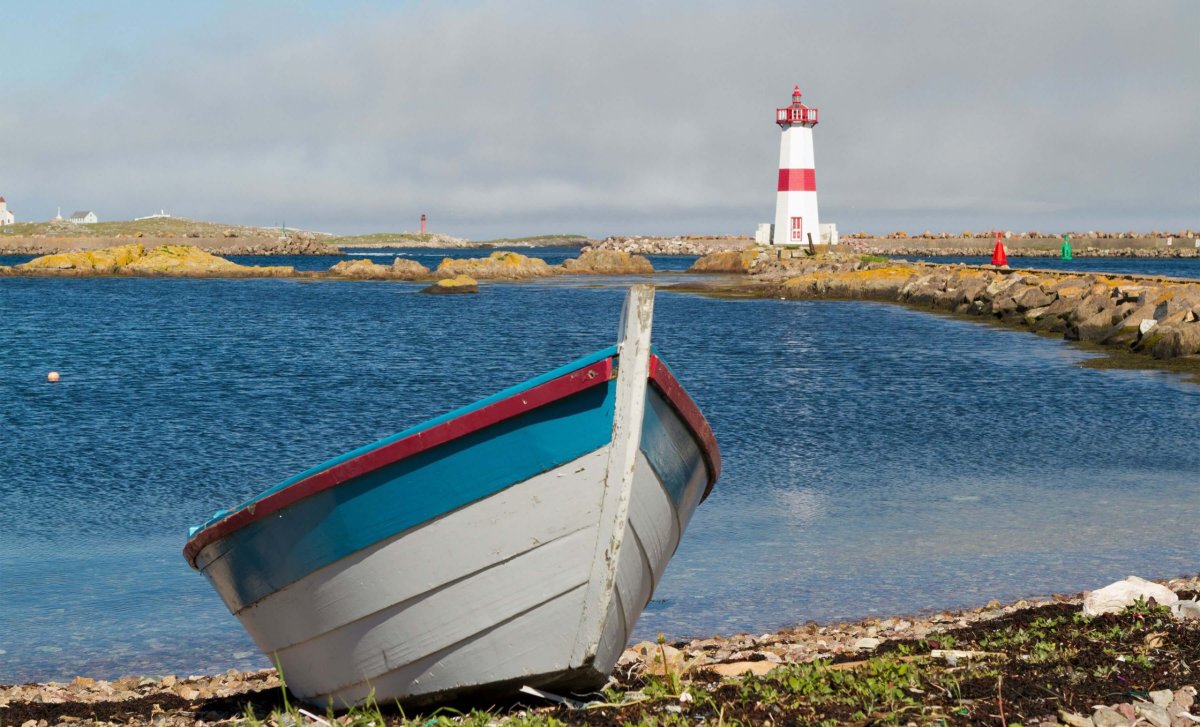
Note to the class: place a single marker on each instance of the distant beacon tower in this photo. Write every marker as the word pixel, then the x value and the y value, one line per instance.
pixel 796 202
pixel 422 223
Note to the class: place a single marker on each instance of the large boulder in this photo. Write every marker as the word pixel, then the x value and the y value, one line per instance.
pixel 1116 597
pixel 1102 326
pixel 1167 341
pixel 1000 285
pixel 968 290
pixel 1033 297
pixel 608 262
pixel 500 265
pixel 104 260
pixel 724 261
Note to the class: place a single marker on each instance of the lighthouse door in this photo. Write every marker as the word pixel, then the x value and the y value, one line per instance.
pixel 798 229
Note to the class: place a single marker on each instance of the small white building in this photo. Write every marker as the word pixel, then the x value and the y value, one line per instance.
pixel 84 217
pixel 6 217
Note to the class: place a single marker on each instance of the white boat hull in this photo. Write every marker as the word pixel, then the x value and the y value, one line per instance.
pixel 538 583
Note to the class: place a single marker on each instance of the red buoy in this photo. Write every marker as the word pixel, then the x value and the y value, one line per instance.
pixel 998 256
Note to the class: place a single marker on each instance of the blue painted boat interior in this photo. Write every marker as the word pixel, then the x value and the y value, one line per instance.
pixel 267 555
pixel 429 424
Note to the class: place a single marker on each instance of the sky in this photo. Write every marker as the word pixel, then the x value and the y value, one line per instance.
pixel 514 118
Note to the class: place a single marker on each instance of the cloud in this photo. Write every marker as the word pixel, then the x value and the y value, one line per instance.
pixel 509 118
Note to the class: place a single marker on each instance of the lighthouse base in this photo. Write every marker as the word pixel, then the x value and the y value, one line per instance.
pixel 764 234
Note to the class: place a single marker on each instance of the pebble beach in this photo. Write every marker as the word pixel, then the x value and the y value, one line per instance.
pixel 236 696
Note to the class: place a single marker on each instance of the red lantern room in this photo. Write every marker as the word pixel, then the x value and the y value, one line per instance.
pixel 797 113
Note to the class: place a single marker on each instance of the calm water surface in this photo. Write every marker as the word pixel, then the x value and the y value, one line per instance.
pixel 877 459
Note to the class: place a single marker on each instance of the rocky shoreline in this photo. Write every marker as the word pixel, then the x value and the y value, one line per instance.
pixel 233 244
pixel 680 245
pixel 695 665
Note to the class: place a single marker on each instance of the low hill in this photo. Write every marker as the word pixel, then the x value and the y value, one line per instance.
pixel 166 227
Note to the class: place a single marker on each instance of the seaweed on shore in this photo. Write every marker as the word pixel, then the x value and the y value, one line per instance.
pixel 1022 667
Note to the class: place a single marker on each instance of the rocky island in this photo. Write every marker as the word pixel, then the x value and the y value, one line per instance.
pixel 136 260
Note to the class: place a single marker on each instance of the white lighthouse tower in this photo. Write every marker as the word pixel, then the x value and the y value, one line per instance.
pixel 796 220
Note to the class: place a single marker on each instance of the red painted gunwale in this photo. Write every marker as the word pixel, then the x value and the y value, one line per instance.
pixel 562 387
pixel 515 405
pixel 663 380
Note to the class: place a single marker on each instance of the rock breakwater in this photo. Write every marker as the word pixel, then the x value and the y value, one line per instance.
pixel 1026 244
pixel 287 245
pixel 1155 316
pixel 683 245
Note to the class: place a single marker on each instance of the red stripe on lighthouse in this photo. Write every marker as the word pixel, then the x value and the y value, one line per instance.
pixel 797 180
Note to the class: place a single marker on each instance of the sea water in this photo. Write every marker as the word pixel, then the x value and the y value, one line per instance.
pixel 878 460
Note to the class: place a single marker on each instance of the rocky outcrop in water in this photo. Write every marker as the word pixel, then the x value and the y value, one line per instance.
pixel 457 284
pixel 500 265
pixel 135 260
pixel 607 262
pixel 364 269
pixel 725 261
pixel 99 262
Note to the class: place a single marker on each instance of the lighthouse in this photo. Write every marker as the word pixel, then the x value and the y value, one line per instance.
pixel 796 220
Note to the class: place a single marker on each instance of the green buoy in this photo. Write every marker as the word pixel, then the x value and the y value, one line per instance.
pixel 1065 250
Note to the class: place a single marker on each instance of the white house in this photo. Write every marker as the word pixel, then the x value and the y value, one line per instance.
pixel 6 217
pixel 84 217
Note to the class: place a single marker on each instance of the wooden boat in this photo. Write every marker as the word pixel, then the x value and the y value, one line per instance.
pixel 511 542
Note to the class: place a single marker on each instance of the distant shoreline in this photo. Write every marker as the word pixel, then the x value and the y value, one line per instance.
pixel 45 238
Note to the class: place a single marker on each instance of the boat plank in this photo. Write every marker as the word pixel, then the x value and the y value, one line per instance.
pixel 548 506
pixel 516 649
pixel 457 613
pixel 653 519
